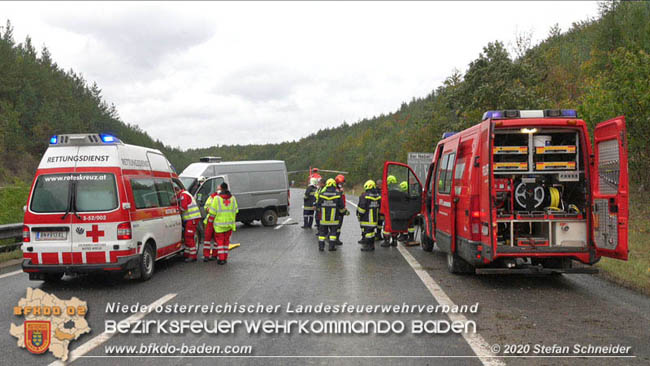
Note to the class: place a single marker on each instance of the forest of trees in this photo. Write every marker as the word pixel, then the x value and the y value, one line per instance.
pixel 600 67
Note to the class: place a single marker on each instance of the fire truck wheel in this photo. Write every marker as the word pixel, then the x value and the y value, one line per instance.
pixel 147 260
pixel 53 277
pixel 457 265
pixel 426 243
pixel 269 217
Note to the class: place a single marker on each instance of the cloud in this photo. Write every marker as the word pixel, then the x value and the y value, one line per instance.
pixel 262 83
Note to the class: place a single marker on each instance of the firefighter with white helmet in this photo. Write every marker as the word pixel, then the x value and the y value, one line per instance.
pixel 330 207
pixel 368 214
pixel 190 214
pixel 309 201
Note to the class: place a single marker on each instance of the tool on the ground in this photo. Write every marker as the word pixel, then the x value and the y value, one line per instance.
pixel 233 246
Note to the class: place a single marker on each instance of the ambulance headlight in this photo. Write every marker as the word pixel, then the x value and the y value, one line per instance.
pixel 53 140
pixel 107 138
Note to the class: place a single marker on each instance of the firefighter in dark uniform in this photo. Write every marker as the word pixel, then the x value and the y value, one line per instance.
pixel 368 214
pixel 340 179
pixel 308 203
pixel 380 221
pixel 330 207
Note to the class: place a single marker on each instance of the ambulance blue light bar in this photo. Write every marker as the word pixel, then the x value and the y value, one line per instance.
pixel 107 138
pixel 540 113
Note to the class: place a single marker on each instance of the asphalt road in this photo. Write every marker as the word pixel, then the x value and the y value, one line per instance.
pixel 276 266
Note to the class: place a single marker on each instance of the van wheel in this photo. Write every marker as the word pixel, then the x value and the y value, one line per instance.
pixel 426 243
pixel 147 260
pixel 52 277
pixel 269 217
pixel 457 265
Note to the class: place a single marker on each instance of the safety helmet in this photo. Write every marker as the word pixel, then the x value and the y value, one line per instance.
pixel 202 179
pixel 391 179
pixel 369 184
pixel 404 186
pixel 340 179
pixel 330 182
pixel 313 181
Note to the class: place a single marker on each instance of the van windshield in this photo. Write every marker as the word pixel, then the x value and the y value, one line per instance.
pixel 188 182
pixel 91 192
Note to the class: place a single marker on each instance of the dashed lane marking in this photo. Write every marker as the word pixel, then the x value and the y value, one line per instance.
pixel 282 224
pixel 478 344
pixel 11 273
pixel 93 343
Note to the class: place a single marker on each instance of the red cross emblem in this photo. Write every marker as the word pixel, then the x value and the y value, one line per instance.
pixel 95 233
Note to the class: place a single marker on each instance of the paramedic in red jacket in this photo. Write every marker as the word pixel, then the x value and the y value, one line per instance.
pixel 191 215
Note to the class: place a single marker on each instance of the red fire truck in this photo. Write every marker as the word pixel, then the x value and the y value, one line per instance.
pixel 520 192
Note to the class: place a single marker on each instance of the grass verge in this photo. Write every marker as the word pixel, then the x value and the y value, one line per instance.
pixel 12 199
pixel 15 254
pixel 635 273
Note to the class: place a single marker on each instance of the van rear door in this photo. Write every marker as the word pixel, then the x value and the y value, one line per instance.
pixel 609 185
pixel 400 205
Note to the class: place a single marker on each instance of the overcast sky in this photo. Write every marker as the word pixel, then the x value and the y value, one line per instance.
pixel 201 74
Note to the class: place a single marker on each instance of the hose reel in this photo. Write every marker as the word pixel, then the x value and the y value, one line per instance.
pixel 531 196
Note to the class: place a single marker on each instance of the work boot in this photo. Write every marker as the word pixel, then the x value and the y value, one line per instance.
pixel 321 246
pixel 411 237
pixel 189 260
pixel 385 244
pixel 368 247
pixel 219 261
pixel 393 242
pixel 338 242
pixel 205 259
pixel 362 241
pixel 332 247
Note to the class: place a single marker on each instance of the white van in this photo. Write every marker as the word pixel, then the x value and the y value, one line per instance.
pixel 99 205
pixel 260 186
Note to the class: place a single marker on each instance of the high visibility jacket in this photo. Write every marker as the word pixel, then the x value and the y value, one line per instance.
pixel 368 208
pixel 189 208
pixel 206 207
pixel 224 209
pixel 309 200
pixel 330 206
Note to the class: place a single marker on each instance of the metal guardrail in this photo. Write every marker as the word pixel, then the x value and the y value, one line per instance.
pixel 10 231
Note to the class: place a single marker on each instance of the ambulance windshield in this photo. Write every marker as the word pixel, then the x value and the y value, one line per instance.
pixel 91 192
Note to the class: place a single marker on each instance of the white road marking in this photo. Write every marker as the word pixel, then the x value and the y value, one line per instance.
pixel 353 204
pixel 8 274
pixel 478 344
pixel 93 343
pixel 282 224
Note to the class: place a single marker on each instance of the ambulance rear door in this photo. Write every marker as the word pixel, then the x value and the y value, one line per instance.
pixel 95 208
pixel 49 215
pixel 610 189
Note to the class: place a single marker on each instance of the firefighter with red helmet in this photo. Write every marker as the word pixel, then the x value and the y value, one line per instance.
pixel 340 180
pixel 330 207
pixel 190 214
pixel 221 223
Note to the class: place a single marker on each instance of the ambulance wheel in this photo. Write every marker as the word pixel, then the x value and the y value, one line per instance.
pixel 457 265
pixel 269 217
pixel 147 260
pixel 52 277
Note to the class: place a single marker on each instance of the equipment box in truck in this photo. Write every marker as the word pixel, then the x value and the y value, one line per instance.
pixel 99 205
pixel 522 191
pixel 260 186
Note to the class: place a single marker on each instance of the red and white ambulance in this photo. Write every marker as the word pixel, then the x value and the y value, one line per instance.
pixel 99 205
pixel 520 192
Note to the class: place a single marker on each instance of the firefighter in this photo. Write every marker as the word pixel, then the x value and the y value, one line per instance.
pixel 190 214
pixel 221 223
pixel 368 213
pixel 340 180
pixel 308 203
pixel 320 187
pixel 390 239
pixel 330 207
pixel 404 187
pixel 380 222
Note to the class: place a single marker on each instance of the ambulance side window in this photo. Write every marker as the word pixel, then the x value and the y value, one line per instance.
pixel 165 191
pixel 144 193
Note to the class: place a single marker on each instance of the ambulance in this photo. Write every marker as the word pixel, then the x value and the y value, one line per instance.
pixel 523 191
pixel 99 205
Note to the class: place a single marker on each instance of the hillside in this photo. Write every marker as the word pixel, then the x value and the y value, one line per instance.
pixel 600 67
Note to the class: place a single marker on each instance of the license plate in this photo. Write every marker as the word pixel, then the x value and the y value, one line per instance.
pixel 52 235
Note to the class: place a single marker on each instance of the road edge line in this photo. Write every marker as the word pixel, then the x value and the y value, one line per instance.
pixel 475 340
pixel 9 274
pixel 103 337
